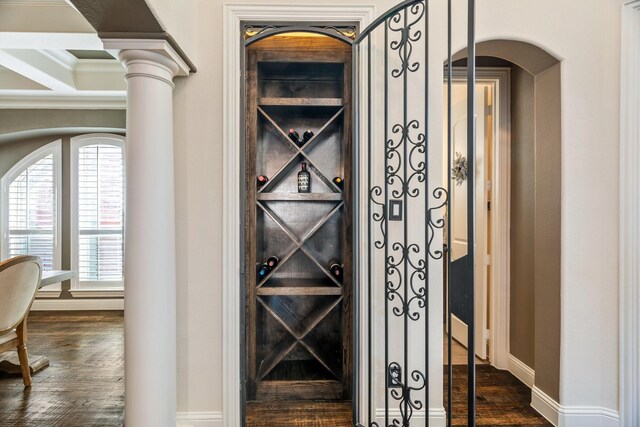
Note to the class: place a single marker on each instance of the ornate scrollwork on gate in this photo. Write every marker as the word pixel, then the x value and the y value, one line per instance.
pixel 403 23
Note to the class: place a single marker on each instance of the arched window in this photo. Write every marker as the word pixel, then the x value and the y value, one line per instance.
pixel 97 211
pixel 31 207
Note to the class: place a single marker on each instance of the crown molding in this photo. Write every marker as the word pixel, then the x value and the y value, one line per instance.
pixel 29 100
pixel 42 40
pixel 36 3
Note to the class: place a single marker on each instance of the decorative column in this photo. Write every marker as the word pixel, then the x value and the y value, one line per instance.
pixel 150 266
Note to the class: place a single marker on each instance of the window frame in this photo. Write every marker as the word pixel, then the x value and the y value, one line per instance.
pixel 55 149
pixel 88 287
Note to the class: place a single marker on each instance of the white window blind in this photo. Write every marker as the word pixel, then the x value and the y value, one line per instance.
pixel 100 209
pixel 32 212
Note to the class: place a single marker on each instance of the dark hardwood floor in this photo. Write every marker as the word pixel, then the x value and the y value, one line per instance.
pixel 84 384
pixel 501 399
pixel 299 414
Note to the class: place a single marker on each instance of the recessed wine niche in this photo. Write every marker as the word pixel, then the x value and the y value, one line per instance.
pixel 298 252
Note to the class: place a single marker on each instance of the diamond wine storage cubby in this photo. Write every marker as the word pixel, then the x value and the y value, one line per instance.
pixel 298 310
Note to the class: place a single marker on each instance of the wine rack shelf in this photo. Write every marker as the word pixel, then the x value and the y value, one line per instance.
pixel 297 197
pixel 300 290
pixel 298 324
pixel 301 102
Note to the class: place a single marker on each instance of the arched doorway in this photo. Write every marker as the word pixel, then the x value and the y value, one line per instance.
pixel 523 266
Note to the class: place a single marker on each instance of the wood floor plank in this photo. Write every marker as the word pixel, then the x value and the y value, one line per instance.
pixel 84 384
pixel 299 414
pixel 502 400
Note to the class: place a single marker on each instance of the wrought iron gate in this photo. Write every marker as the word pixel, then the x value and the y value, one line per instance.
pixel 402 218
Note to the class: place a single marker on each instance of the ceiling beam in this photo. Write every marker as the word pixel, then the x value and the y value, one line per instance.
pixel 39 67
pixel 37 40
pixel 10 80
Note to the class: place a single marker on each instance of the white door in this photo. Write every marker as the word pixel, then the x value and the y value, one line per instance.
pixel 458 193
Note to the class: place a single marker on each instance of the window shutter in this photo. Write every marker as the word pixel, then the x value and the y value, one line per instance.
pixel 32 212
pixel 100 212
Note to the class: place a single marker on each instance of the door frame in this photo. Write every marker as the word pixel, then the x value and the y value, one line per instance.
pixel 629 215
pixel 233 16
pixel 500 263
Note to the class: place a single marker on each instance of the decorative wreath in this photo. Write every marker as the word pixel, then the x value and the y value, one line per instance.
pixel 459 169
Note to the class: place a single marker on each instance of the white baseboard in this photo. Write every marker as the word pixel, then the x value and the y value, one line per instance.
pixel 437 417
pixel 199 419
pixel 77 304
pixel 545 405
pixel 588 416
pixel 521 371
pixel 572 416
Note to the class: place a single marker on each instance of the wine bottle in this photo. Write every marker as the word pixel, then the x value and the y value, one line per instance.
pixel 338 181
pixel 307 136
pixel 272 261
pixel 336 270
pixel 304 180
pixel 294 136
pixel 262 180
pixel 263 271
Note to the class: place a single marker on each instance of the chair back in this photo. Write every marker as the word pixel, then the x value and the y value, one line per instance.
pixel 19 280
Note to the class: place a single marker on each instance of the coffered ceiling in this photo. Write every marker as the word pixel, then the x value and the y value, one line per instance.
pixel 51 57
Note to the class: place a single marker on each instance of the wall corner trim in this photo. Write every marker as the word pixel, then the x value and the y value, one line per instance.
pixel 572 416
pixel 629 237
pixel 522 371
pixel 199 419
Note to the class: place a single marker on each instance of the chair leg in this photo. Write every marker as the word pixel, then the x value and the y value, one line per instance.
pixel 23 356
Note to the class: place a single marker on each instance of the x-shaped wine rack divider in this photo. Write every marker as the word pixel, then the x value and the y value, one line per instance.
pixel 299 242
pixel 287 345
pixel 299 151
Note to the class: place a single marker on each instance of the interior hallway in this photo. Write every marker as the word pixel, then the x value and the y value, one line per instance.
pixel 502 399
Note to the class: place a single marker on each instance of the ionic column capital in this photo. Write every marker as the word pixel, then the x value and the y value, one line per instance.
pixel 153 58
pixel 146 63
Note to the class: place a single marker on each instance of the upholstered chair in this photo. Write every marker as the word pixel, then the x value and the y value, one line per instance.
pixel 19 280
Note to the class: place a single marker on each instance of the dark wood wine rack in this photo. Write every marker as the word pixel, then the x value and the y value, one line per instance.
pixel 298 324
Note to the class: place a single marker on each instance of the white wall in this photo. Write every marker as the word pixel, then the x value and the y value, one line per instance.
pixel 584 34
pixel 177 18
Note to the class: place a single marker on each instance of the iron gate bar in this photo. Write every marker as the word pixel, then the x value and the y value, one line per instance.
pixel 449 222
pixel 404 223
pixel 386 224
pixel 370 370
pixel 471 212
pixel 427 241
